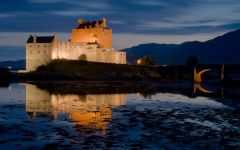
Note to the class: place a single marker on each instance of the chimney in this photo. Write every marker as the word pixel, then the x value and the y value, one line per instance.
pixel 34 38
pixel 104 24
pixel 97 24
pixel 55 38
pixel 80 21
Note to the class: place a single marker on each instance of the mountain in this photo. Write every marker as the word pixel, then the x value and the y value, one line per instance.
pixel 15 65
pixel 224 49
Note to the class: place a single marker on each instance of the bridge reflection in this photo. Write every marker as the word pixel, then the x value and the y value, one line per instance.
pixel 197 86
pixel 88 111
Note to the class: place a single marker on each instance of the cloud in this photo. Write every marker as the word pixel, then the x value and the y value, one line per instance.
pixel 117 22
pixel 6 15
pixel 99 5
pixel 76 12
pixel 47 1
pixel 151 2
pixel 137 17
pixel 81 8
pixel 20 38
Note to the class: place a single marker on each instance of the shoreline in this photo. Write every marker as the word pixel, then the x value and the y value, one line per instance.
pixel 83 71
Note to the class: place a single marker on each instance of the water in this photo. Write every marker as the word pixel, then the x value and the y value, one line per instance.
pixel 35 117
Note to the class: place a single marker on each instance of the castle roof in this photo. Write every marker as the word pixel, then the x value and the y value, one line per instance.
pixel 41 39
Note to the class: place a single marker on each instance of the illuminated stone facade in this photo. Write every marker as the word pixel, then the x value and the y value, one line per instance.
pixel 92 39
pixel 92 32
pixel 91 110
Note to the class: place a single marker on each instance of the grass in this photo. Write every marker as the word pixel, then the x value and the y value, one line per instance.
pixel 97 71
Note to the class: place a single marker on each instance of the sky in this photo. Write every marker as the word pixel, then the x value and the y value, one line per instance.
pixel 133 21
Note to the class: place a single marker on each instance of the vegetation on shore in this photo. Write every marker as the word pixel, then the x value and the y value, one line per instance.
pixel 77 69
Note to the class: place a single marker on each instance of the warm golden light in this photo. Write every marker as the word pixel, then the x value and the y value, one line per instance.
pixel 92 32
pixel 198 86
pixel 139 61
pixel 96 120
pixel 198 75
pixel 92 111
pixel 91 38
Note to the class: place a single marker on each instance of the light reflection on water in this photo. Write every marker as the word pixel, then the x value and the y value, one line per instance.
pixel 31 117
pixel 89 111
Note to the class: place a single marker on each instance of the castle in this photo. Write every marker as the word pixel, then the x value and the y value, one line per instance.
pixel 90 40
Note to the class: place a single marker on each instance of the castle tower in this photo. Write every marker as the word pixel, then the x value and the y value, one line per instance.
pixel 39 51
pixel 92 32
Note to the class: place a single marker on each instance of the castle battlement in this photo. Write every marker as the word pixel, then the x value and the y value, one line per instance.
pixel 82 24
pixel 90 38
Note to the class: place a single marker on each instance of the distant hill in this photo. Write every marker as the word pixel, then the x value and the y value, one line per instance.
pixel 220 50
pixel 15 65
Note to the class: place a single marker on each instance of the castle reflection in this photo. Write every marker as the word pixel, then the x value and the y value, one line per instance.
pixel 91 111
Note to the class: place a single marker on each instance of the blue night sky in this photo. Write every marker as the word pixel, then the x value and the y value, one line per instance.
pixel 133 21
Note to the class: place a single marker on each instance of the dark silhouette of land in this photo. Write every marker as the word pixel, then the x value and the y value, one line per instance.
pixel 220 50
pixel 72 70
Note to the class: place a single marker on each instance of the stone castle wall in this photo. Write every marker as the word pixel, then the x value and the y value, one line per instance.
pixel 42 53
pixel 102 36
pixel 37 54
pixel 72 51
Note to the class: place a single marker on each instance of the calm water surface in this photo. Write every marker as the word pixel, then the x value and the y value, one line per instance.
pixel 34 118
